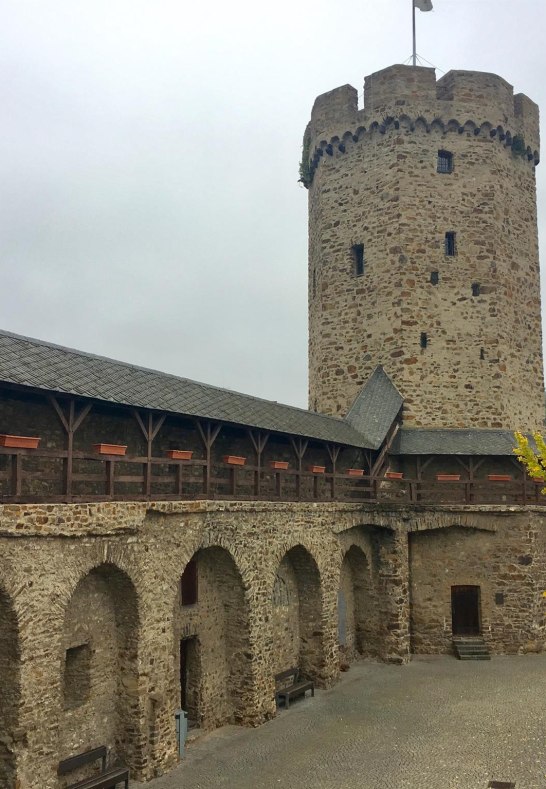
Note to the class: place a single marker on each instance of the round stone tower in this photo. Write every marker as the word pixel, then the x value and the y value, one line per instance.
pixel 423 250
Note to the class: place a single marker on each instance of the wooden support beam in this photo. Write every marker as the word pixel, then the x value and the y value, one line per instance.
pixel 209 433
pixel 259 441
pixel 299 446
pixel 71 423
pixel 333 452
pixel 149 430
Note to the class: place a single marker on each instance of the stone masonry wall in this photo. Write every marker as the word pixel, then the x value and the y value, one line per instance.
pixel 376 183
pixel 504 563
pixel 65 568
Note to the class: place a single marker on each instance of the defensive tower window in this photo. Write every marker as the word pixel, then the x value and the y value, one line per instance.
pixel 434 277
pixel 482 354
pixel 314 282
pixel 445 162
pixel 475 288
pixel 424 339
pixel 188 584
pixel 358 259
pixel 450 246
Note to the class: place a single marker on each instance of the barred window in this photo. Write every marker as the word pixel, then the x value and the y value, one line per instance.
pixel 445 162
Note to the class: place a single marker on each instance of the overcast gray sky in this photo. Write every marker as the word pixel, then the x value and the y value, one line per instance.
pixel 150 209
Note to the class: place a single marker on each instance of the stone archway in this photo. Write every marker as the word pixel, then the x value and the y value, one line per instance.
pixel 9 690
pixel 356 610
pixel 212 640
pixel 99 674
pixel 297 615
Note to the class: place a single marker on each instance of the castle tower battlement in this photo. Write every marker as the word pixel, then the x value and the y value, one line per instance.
pixel 423 250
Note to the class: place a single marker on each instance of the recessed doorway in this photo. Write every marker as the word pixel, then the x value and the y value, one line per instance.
pixel 189 679
pixel 465 610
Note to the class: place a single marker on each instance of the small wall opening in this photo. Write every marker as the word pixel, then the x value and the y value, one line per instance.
pixel 358 259
pixel 475 288
pixel 423 341
pixel 77 676
pixel 434 277
pixel 190 677
pixel 189 584
pixel 450 244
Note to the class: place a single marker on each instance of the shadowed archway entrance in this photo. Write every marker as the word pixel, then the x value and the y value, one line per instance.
pixel 297 615
pixel 357 618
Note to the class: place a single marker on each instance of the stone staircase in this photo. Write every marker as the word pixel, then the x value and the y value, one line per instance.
pixel 470 648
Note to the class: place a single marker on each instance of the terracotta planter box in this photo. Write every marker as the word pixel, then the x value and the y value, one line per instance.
pixel 21 442
pixel 179 454
pixel 355 472
pixel 448 477
pixel 317 469
pixel 538 480
pixel 110 449
pixel 279 465
pixel 394 475
pixel 499 478
pixel 234 460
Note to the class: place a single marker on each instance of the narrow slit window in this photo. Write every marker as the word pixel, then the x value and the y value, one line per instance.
pixel 450 244
pixel 445 162
pixel 434 277
pixel 314 282
pixel 424 339
pixel 482 354
pixel 475 288
pixel 358 259
pixel 188 584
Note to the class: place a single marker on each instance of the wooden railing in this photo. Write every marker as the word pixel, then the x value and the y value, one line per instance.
pixel 36 476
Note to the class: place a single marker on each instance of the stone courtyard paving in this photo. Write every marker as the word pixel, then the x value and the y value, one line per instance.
pixel 437 723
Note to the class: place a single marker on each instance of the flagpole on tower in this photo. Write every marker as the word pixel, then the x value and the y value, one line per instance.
pixel 422 5
pixel 414 38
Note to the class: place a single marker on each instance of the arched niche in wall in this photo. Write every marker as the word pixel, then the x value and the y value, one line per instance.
pixel 297 614
pixel 99 674
pixel 212 640
pixel 357 617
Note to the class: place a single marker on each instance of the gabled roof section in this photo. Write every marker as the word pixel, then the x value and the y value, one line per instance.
pixel 420 441
pixel 54 368
pixel 375 408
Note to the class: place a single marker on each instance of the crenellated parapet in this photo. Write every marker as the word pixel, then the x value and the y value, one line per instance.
pixel 476 103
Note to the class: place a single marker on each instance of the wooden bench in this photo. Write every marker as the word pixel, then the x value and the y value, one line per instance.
pixel 291 686
pixel 107 779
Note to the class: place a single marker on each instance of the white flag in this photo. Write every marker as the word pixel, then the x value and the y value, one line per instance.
pixel 423 5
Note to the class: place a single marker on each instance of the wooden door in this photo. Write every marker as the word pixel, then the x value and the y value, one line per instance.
pixel 465 610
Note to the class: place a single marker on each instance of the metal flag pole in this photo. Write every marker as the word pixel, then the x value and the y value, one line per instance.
pixel 414 40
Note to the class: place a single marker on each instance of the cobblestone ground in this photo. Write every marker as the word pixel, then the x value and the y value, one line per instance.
pixel 437 723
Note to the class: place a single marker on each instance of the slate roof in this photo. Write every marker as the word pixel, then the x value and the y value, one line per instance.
pixel 416 441
pixel 42 365
pixel 375 408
